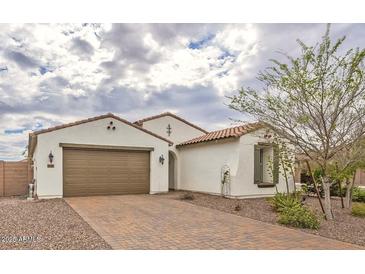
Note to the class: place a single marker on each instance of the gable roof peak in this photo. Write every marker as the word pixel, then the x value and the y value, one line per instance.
pixel 167 113
pixel 33 135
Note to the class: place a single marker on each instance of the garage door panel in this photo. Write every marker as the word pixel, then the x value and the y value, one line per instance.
pixel 103 172
pixel 77 191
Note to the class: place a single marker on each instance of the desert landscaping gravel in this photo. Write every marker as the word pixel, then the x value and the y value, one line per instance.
pixel 345 227
pixel 53 224
pixel 44 224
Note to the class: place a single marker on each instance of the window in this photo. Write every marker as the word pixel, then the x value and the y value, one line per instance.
pixel 259 164
pixel 266 164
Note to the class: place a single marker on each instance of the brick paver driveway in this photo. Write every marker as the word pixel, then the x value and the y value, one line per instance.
pixel 157 222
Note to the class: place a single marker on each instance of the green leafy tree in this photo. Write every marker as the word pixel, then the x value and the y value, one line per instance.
pixel 316 101
pixel 344 165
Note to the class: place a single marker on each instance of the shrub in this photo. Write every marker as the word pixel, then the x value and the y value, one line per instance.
pixel 358 195
pixel 358 209
pixel 300 216
pixel 292 212
pixel 308 187
pixel 335 191
pixel 304 188
pixel 187 196
pixel 282 201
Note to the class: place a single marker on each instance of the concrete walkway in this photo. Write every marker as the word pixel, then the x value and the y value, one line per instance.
pixel 155 222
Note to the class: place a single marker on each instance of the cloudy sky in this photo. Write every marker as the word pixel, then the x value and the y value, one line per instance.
pixel 52 74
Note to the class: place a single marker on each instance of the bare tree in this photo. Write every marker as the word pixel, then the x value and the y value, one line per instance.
pixel 315 100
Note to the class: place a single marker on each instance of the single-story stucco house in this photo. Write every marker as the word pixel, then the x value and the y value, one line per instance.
pixel 107 155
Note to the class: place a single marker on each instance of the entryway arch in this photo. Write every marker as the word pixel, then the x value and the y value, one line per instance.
pixel 172 170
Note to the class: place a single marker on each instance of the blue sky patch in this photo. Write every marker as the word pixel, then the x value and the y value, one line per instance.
pixel 14 131
pixel 201 43
pixel 43 70
pixel 225 55
pixel 37 126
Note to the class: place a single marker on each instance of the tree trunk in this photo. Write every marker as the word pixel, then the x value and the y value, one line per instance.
pixel 348 198
pixel 315 186
pixel 340 189
pixel 326 183
pixel 349 187
pixel 286 177
pixel 293 176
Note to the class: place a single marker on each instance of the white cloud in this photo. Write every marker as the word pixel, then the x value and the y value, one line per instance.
pixel 62 72
pixel 221 61
pixel 240 39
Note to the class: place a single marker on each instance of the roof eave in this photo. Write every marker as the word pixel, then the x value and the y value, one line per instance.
pixel 256 127
pixel 141 121
pixel 109 115
pixel 208 141
pixel 32 143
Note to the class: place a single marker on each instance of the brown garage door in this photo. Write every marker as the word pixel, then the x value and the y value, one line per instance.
pixel 105 172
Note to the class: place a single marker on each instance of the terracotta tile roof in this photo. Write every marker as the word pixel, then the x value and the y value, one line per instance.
pixel 140 122
pixel 233 132
pixel 33 135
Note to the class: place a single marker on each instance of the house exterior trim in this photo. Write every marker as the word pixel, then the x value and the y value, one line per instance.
pixel 140 122
pixel 33 136
pixel 104 147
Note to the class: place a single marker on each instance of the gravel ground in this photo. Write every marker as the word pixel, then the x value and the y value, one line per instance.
pixel 48 224
pixel 345 228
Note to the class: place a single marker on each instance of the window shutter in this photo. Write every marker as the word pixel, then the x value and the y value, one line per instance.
pixel 257 168
pixel 275 164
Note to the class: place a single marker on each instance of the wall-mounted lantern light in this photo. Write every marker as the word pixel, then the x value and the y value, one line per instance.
pixel 161 159
pixel 50 157
pixel 50 160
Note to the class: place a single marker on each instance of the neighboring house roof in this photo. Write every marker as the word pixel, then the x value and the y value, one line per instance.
pixel 140 122
pixel 33 135
pixel 233 132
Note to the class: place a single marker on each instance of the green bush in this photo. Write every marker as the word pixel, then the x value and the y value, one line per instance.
pixel 358 195
pixel 358 209
pixel 304 188
pixel 301 217
pixel 335 190
pixel 292 212
pixel 282 201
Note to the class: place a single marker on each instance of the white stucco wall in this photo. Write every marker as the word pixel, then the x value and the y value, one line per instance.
pixel 201 164
pixel 180 132
pixel 243 183
pixel 50 181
